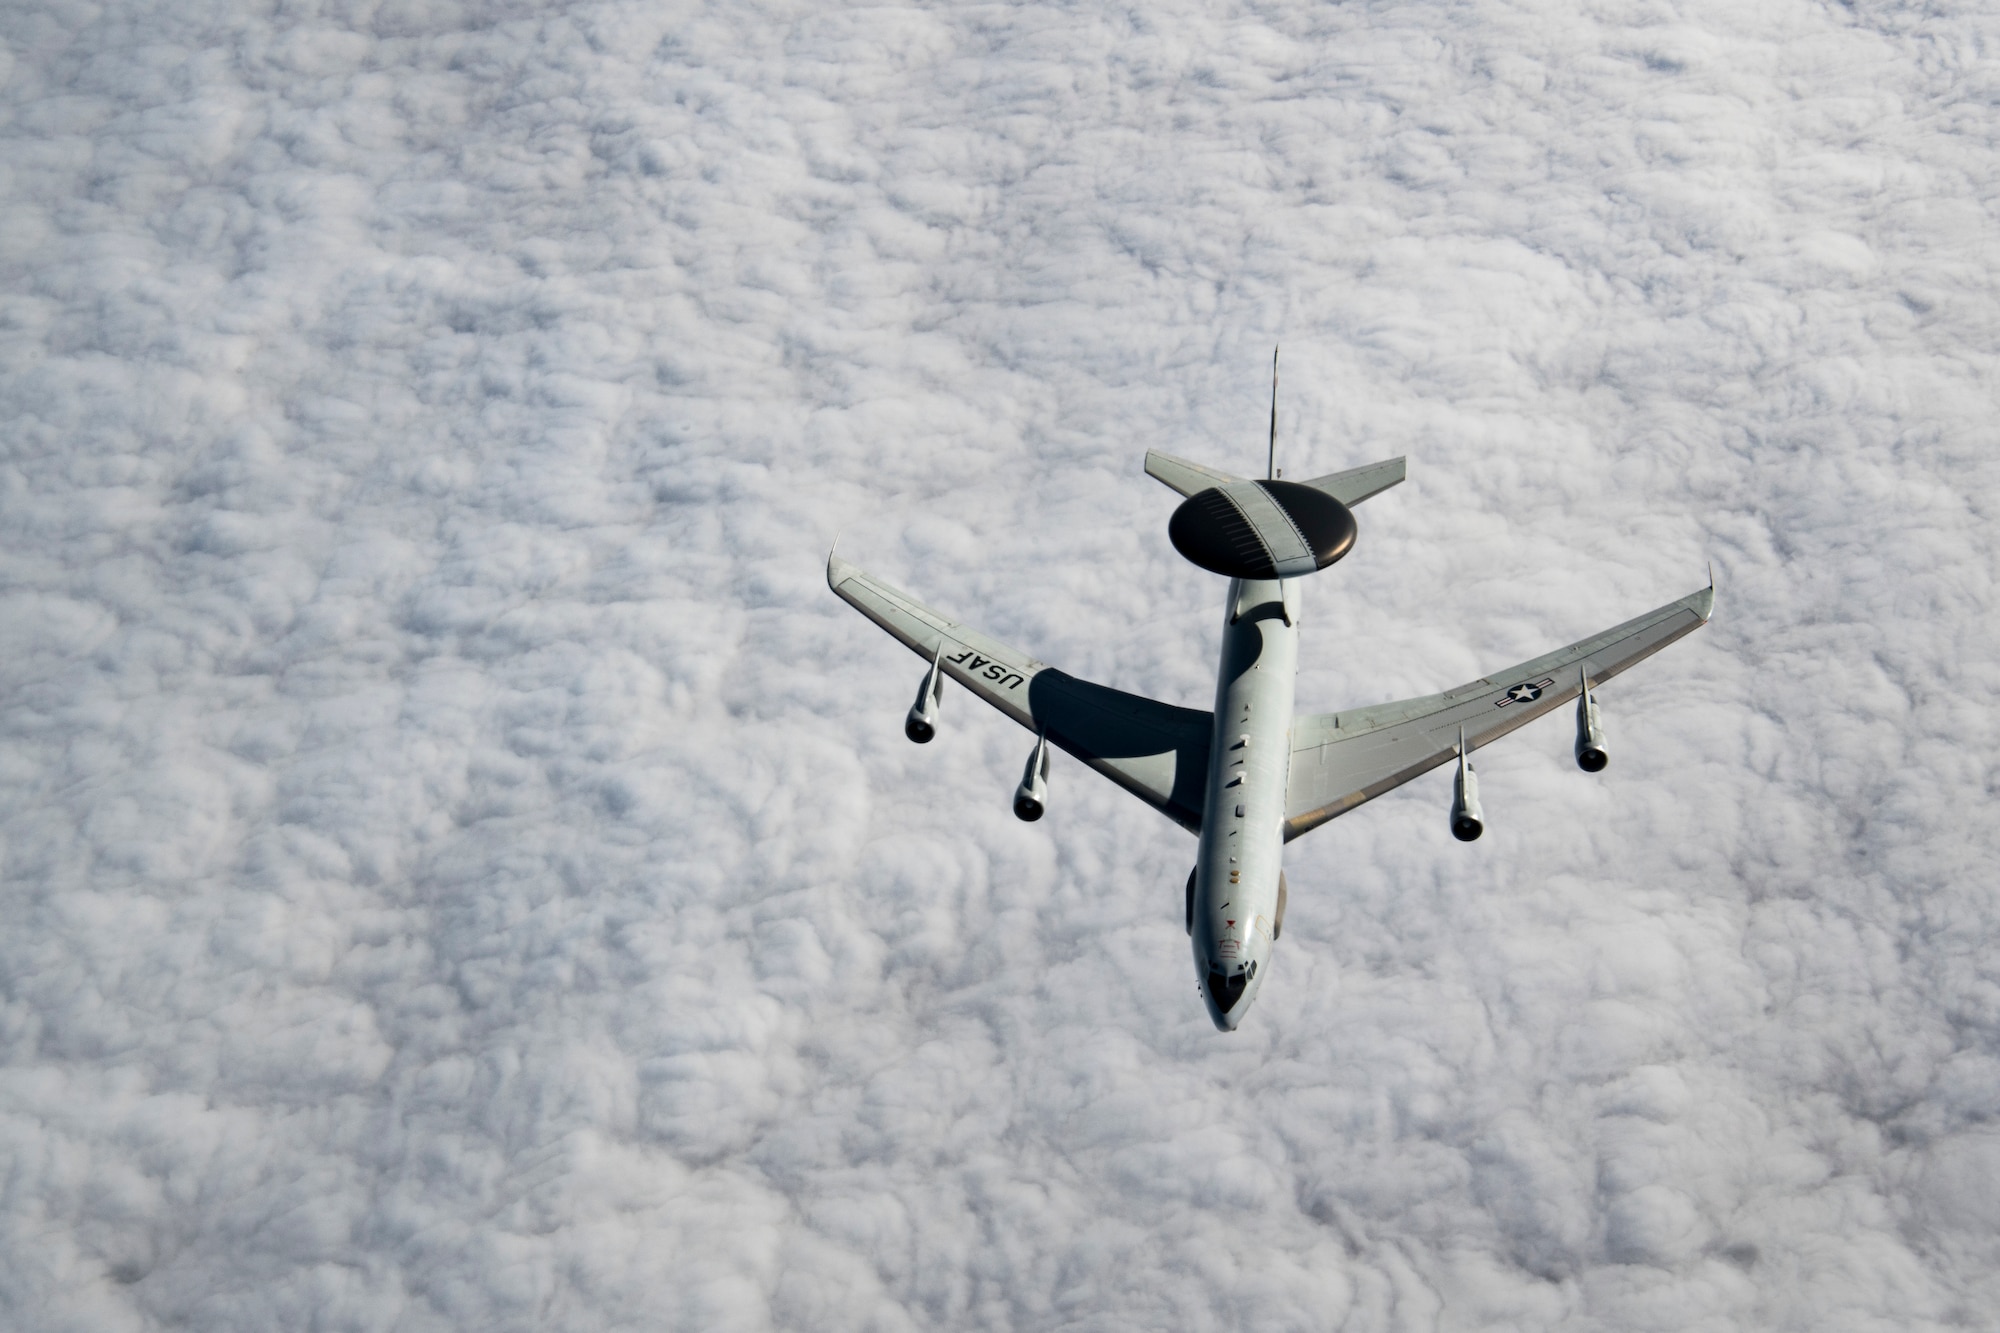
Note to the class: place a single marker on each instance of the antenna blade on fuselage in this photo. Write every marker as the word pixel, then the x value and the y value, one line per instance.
pixel 1271 462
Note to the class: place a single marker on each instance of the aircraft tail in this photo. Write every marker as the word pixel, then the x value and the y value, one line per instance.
pixel 1183 476
pixel 1359 483
pixel 1350 487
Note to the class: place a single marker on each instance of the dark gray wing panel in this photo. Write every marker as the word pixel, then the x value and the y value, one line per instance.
pixel 1341 760
pixel 1154 750
pixel 1157 752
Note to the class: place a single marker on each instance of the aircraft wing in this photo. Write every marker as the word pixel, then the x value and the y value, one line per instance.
pixel 1157 752
pixel 1340 760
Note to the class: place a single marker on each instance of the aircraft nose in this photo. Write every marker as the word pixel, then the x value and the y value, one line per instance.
pixel 1224 993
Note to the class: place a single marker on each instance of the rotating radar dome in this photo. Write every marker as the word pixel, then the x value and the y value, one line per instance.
pixel 1262 529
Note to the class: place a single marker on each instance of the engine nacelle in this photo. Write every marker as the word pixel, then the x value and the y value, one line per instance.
pixel 1031 798
pixel 921 725
pixel 1468 821
pixel 1591 756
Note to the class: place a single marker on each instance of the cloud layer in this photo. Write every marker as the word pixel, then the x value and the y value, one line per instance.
pixel 462 870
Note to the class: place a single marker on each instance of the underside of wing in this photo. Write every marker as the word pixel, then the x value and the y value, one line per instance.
pixel 1157 752
pixel 1341 760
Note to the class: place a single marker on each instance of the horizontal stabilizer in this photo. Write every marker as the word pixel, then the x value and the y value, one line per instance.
pixel 1354 485
pixel 1185 477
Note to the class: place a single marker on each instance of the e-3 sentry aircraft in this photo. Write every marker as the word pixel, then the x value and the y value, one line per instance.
pixel 1251 776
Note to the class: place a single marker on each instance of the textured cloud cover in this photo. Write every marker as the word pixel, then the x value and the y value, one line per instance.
pixel 462 870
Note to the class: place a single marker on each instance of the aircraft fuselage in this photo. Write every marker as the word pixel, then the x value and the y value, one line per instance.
pixel 1230 774
pixel 1241 855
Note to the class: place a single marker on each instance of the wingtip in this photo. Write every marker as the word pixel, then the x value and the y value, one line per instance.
pixel 834 563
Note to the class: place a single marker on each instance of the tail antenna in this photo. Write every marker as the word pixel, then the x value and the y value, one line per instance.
pixel 1271 462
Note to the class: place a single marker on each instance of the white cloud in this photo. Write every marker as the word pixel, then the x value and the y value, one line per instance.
pixel 461 868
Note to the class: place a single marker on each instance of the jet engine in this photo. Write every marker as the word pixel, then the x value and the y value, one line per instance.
pixel 1468 821
pixel 921 724
pixel 1591 755
pixel 1031 798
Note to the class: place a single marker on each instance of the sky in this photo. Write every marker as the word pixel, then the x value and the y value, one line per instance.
pixel 461 868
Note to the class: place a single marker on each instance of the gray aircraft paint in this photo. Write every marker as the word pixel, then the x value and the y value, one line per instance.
pixel 1243 818
pixel 1251 776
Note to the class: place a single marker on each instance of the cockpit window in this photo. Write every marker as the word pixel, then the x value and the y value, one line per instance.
pixel 1226 990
